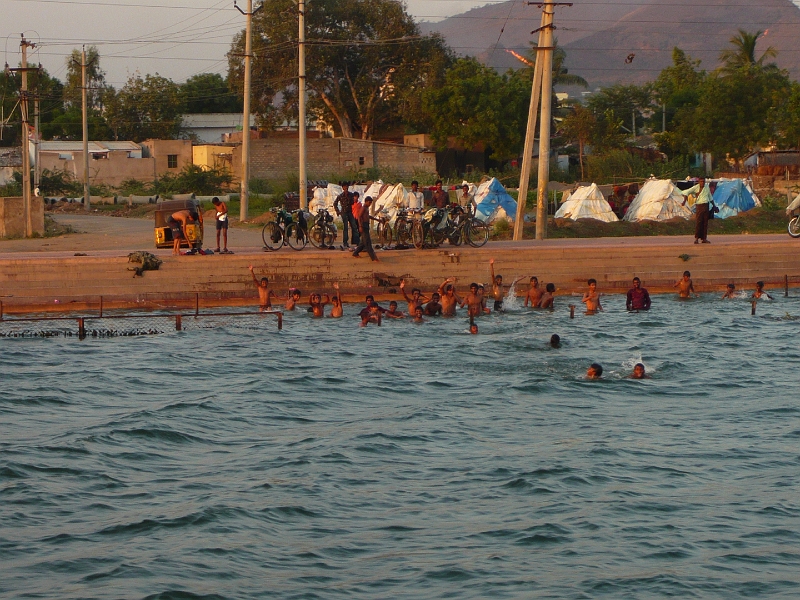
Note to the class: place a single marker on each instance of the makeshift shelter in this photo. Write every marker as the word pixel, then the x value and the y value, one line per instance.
pixel 323 198
pixel 587 202
pixel 658 200
pixel 732 197
pixel 494 202
pixel 392 198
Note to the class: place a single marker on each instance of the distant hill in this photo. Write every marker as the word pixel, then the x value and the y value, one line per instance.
pixel 598 36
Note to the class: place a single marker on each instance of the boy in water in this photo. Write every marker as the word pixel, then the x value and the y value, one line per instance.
pixel 393 313
pixel 433 308
pixel 534 295
pixel 317 305
pixel 474 301
pixel 592 298
pixel 760 292
pixel 449 298
pixel 264 293
pixel 548 296
pixel 473 328
pixel 336 311
pixel 639 372
pixel 371 314
pixel 555 341
pixel 685 286
pixel 418 315
pixel 497 287
pixel 417 299
pixel 292 298
pixel 595 371
pixel 730 293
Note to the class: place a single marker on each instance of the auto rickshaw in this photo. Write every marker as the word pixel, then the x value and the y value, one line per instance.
pixel 163 233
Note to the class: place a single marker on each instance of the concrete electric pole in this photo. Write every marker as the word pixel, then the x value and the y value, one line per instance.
pixel 527 154
pixel 248 57
pixel 301 101
pixel 546 55
pixel 26 157
pixel 85 114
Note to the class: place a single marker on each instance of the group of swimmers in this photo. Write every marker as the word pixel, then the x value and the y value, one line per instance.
pixel 445 300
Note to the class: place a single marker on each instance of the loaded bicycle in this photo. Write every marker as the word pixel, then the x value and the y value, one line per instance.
pixel 323 233
pixel 453 224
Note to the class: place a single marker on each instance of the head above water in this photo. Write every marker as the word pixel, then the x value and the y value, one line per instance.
pixel 534 280
pixel 592 282
pixel 638 371
pixel 731 286
pixel 555 340
pixel 393 305
pixel 551 287
pixel 687 274
pixel 759 284
pixel 637 282
pixel 595 371
pixel 296 293
pixel 473 329
pixel 264 281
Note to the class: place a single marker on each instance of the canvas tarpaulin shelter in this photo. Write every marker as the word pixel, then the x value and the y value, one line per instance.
pixel 587 202
pixel 658 200
pixel 392 198
pixel 732 197
pixel 491 198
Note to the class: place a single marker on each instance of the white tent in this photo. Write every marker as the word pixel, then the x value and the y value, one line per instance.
pixel 587 202
pixel 392 198
pixel 323 198
pixel 658 200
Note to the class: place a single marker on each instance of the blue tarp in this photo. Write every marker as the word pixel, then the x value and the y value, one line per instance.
pixel 496 197
pixel 732 197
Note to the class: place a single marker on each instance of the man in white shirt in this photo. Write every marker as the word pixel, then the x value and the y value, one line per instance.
pixel 415 197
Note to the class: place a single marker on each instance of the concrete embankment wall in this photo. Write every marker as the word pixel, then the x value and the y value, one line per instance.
pixel 75 282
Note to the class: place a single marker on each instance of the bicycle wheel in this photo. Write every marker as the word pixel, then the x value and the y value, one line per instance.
pixel 384 235
pixel 477 233
pixel 317 236
pixel 794 227
pixel 418 235
pixel 295 236
pixel 272 236
pixel 330 234
pixel 402 231
pixel 437 236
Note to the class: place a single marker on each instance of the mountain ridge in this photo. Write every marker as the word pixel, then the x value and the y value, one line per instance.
pixel 598 36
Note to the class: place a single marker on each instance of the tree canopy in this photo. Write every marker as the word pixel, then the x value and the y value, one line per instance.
pixel 143 108
pixel 366 59
pixel 209 93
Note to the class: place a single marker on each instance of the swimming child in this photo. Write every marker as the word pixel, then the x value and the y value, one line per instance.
pixel 592 299
pixel 292 298
pixel 730 292
pixel 497 287
pixel 393 313
pixel 685 286
pixel 548 296
pixel 595 371
pixel 433 308
pixel 449 298
pixel 760 292
pixel 473 301
pixel 473 328
pixel 639 372
pixel 534 294
pixel 336 311
pixel 417 299
pixel 418 315
pixel 264 293
pixel 555 341
pixel 371 314
pixel 317 305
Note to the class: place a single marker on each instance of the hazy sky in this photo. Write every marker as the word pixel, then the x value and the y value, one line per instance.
pixel 175 38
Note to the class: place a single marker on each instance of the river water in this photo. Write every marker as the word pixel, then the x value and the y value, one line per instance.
pixel 409 461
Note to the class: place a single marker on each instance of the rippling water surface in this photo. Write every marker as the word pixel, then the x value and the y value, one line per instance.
pixel 409 461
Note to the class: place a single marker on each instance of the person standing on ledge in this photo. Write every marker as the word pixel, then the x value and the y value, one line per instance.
pixel 343 205
pixel 638 297
pixel 440 198
pixel 222 224
pixel 702 209
pixel 363 223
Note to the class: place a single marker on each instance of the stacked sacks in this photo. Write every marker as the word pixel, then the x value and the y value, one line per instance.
pixel 586 202
pixel 392 198
pixel 658 200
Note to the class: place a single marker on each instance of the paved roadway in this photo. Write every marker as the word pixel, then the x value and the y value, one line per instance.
pixel 118 236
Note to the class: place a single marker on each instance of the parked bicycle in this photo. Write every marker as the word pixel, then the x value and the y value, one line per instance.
pixel 323 232
pixel 383 230
pixel 402 226
pixel 453 224
pixel 284 230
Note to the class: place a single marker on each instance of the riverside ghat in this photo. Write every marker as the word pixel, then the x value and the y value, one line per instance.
pixel 58 280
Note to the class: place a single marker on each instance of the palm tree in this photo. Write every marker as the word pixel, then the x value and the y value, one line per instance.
pixel 743 53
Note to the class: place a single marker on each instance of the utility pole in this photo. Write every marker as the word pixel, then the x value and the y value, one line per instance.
pixel 664 117
pixel 548 8
pixel 527 156
pixel 37 168
pixel 26 157
pixel 248 56
pixel 301 101
pixel 633 124
pixel 85 113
